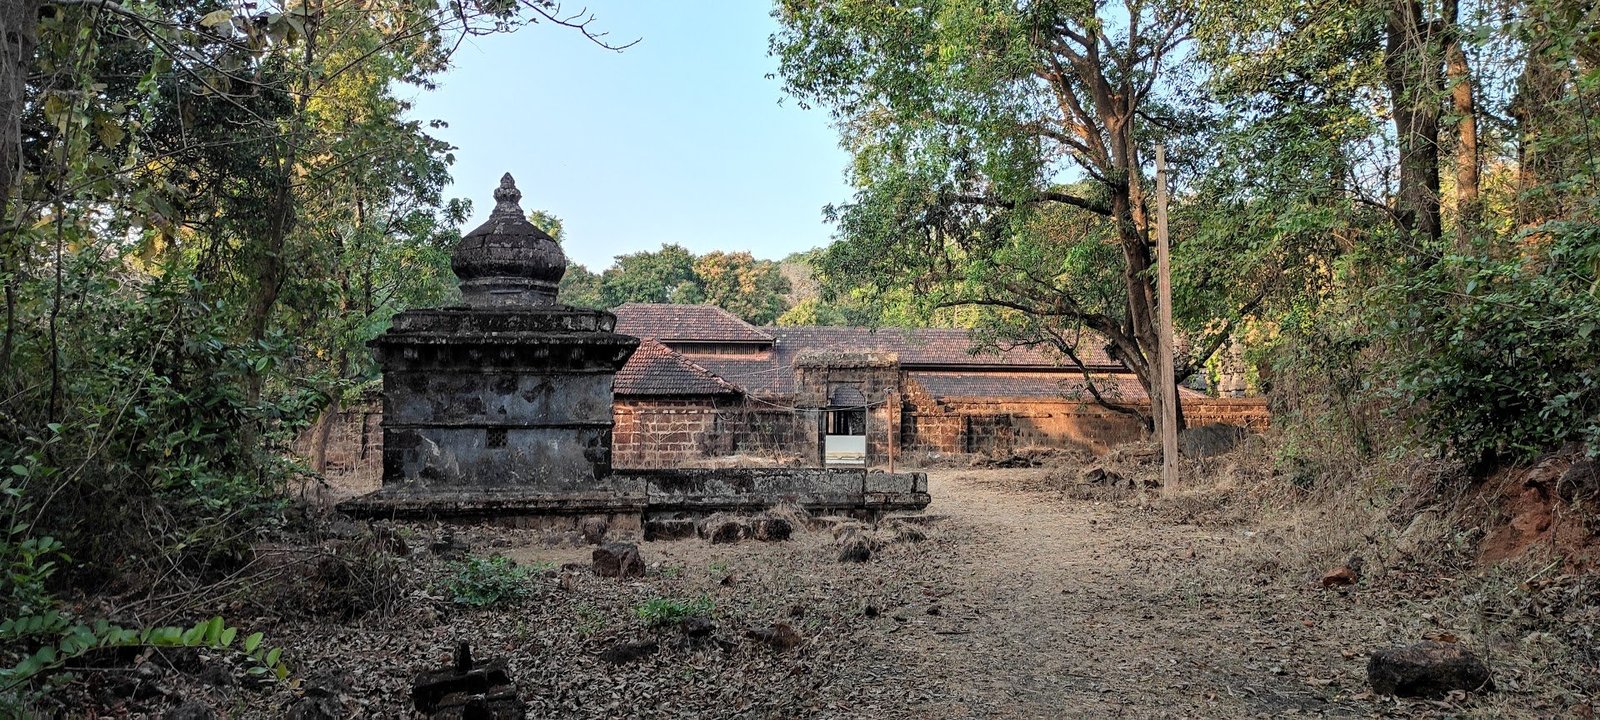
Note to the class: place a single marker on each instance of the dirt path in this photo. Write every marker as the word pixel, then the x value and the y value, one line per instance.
pixel 1010 601
pixel 1065 608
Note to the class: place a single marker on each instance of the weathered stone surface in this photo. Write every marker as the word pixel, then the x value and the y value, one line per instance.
pixel 450 546
pixel 464 679
pixel 669 528
pixel 501 504
pixel 1427 669
pixel 594 529
pixel 508 261
pixel 503 408
pixel 767 528
pixel 698 626
pixel 618 560
pixel 723 528
pixel 1102 476
pixel 756 489
pixel 1580 481
pixel 511 392
pixel 656 493
pixel 1345 575
pixel 499 703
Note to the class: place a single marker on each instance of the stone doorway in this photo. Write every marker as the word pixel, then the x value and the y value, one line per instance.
pixel 845 433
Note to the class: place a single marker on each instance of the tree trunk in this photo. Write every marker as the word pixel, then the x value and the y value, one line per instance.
pixel 321 432
pixel 19 36
pixel 1412 71
pixel 19 31
pixel 1469 208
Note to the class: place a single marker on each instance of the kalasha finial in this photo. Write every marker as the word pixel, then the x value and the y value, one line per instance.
pixel 507 198
pixel 507 261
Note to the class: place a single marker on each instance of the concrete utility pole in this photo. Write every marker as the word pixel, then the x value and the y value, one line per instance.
pixel 1164 380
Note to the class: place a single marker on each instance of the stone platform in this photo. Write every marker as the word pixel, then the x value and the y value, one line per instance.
pixel 637 495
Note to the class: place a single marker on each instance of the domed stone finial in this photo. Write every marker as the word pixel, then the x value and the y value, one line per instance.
pixel 507 261
pixel 507 198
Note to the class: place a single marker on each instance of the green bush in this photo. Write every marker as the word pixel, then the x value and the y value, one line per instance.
pixel 669 611
pixel 1501 355
pixel 481 582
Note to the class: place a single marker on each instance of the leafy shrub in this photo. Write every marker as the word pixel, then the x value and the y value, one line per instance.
pixel 1504 352
pixel 70 641
pixel 481 582
pixel 164 437
pixel 669 611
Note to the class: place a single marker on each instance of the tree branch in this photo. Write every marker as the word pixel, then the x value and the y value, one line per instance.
pixel 1093 206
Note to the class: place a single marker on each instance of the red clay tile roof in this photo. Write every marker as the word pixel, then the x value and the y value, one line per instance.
pixel 935 346
pixel 656 370
pixel 768 369
pixel 1119 387
pixel 705 323
pixel 759 374
pixel 771 373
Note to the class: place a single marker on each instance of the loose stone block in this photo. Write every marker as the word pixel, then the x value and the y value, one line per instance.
pixel 1427 669
pixel 618 560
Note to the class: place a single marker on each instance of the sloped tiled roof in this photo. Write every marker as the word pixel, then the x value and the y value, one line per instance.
pixel 703 323
pixel 761 374
pixel 768 369
pixel 1118 387
pixel 935 346
pixel 656 370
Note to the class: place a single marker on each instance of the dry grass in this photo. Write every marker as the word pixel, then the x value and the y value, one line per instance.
pixel 1417 523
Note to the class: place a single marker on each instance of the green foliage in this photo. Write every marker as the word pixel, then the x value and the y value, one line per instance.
pixel 739 283
pixel 28 562
pixel 755 290
pixel 481 582
pixel 1001 154
pixel 581 288
pixel 217 206
pixel 661 612
pixel 549 223
pixel 74 641
pixel 662 276
pixel 590 620
pixel 1504 353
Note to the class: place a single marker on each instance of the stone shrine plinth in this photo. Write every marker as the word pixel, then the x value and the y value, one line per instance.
pixel 502 404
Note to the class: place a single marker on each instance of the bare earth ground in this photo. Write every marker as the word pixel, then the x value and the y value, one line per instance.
pixel 1019 603
pixel 1067 608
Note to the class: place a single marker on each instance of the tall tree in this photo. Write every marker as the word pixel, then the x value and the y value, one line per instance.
pixel 1412 65
pixel 1458 72
pixel 965 116
pixel 739 283
pixel 659 276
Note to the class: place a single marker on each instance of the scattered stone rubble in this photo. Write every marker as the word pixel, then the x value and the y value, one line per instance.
pixel 479 691
pixel 618 560
pixel 1428 669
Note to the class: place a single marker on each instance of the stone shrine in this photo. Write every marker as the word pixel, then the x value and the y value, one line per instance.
pixel 505 400
pixel 502 408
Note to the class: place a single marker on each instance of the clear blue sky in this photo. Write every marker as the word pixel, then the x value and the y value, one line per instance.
pixel 679 139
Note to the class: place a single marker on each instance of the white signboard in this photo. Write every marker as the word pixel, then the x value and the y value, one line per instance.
pixel 850 450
